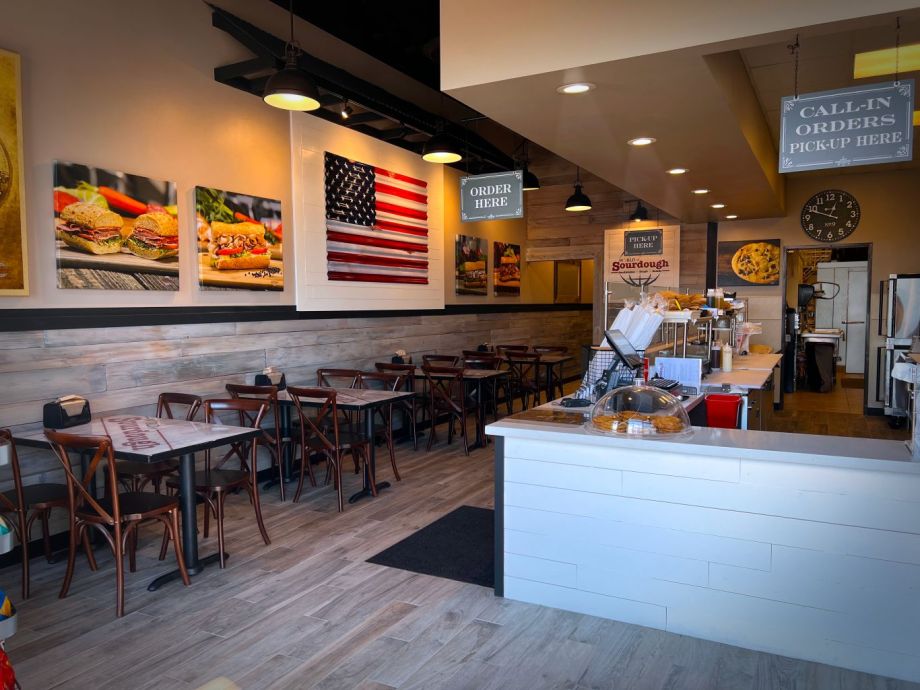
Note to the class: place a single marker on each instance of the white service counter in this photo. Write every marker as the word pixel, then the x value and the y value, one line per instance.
pixel 806 546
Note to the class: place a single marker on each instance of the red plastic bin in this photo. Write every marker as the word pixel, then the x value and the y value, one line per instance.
pixel 723 411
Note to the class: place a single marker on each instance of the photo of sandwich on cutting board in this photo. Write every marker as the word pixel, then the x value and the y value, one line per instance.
pixel 506 273
pixel 471 257
pixel 114 230
pixel 239 241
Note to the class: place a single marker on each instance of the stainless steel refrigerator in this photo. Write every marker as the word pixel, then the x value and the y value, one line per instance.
pixel 899 322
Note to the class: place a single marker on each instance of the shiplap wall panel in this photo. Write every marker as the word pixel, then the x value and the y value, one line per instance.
pixel 122 370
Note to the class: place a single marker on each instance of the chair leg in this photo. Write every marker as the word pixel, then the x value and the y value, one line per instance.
pixel 208 505
pixel 337 469
pixel 257 506
pixel 463 434
pixel 172 527
pixel 117 547
pixel 24 544
pixel 164 544
pixel 71 557
pixel 88 550
pixel 304 460
pixel 431 428
pixel 220 528
pixel 412 426
pixel 280 470
pixel 392 448
pixel 46 535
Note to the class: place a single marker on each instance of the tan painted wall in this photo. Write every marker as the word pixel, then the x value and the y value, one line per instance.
pixel 484 41
pixel 890 206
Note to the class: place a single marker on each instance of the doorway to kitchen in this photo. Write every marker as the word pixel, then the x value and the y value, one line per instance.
pixel 826 340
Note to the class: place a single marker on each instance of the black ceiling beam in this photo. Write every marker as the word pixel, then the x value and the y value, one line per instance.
pixel 330 78
pixel 363 119
pixel 242 69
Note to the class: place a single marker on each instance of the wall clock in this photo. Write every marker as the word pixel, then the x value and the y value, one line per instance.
pixel 830 216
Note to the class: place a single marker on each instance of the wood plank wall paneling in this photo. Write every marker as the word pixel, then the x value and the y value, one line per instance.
pixel 122 370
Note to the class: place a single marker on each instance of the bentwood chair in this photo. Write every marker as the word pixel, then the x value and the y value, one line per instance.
pixel 235 471
pixel 343 378
pixel 116 516
pixel 486 360
pixel 371 380
pixel 503 350
pixel 448 396
pixel 319 434
pixel 135 475
pixel 523 370
pixel 409 407
pixel 558 385
pixel 28 503
pixel 271 438
pixel 441 360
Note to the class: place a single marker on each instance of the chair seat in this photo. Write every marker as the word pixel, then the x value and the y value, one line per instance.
pixel 39 495
pixel 133 468
pixel 135 504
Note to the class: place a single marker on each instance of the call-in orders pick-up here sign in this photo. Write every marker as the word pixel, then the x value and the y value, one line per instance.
pixel 859 125
pixel 492 196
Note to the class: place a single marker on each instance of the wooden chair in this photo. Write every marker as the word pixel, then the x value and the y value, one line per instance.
pixel 319 433
pixel 523 371
pixel 219 478
pixel 558 384
pixel 441 360
pixel 411 406
pixel 271 438
pixel 343 378
pixel 117 516
pixel 486 360
pixel 375 380
pixel 448 396
pixel 135 475
pixel 503 350
pixel 28 503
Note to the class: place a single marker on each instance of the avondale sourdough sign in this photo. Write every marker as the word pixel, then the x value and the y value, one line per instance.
pixel 492 197
pixel 650 256
pixel 859 125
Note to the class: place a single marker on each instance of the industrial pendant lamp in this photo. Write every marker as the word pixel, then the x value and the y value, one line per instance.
pixel 440 149
pixel 290 88
pixel 641 213
pixel 579 201
pixel 531 181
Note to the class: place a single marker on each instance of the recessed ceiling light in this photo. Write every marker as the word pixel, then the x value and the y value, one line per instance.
pixel 717 205
pixel 678 171
pixel 641 141
pixel 576 87
pixel 731 217
pixel 701 191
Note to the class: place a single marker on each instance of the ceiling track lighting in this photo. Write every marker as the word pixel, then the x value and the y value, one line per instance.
pixel 290 88
pixel 346 110
pixel 641 213
pixel 579 201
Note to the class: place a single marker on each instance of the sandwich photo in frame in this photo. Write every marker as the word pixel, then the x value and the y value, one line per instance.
pixel 506 269
pixel 114 230
pixel 239 241
pixel 471 257
pixel 14 278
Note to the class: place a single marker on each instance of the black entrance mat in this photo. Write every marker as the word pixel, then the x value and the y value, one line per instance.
pixel 458 546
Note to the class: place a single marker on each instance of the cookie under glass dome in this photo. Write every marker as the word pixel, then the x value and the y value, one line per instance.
pixel 639 412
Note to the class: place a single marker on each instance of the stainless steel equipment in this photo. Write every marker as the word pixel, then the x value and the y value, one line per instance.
pixel 899 322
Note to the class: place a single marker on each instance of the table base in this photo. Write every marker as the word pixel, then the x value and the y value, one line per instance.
pixel 174 574
pixel 363 493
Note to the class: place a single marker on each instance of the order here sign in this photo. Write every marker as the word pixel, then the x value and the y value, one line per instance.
pixel 492 196
pixel 859 125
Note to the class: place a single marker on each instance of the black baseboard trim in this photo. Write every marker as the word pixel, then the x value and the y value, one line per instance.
pixel 42 319
pixel 875 411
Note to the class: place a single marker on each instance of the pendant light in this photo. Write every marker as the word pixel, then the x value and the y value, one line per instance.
pixel 440 149
pixel 641 213
pixel 290 88
pixel 579 201
pixel 531 181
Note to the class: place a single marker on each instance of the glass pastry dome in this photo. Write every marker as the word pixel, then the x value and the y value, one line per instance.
pixel 639 412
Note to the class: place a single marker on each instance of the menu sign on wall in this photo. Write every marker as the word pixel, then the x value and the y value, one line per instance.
pixel 641 258
pixel 493 196
pixel 860 125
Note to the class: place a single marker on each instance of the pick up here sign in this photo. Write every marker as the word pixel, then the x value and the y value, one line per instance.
pixel 492 196
pixel 859 125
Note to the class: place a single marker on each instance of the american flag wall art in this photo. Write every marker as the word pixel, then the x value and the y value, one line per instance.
pixel 376 224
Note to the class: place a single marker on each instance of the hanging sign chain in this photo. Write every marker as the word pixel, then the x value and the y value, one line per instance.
pixel 897 50
pixel 794 49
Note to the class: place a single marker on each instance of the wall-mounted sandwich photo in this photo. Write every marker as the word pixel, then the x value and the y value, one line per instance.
pixel 506 272
pixel 239 241
pixel 471 259
pixel 114 230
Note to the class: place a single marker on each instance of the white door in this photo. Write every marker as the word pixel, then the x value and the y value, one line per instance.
pixel 856 319
pixel 824 308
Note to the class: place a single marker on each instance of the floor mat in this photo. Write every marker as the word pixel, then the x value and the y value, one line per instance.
pixel 458 546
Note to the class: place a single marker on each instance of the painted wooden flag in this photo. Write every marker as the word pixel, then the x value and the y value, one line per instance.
pixel 376 224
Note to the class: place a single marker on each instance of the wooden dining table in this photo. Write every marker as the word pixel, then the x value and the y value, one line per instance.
pixel 151 439
pixel 362 400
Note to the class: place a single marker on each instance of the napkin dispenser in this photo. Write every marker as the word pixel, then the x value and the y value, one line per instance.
pixel 65 412
pixel 270 377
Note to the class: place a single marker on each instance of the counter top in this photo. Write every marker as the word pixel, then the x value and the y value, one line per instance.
pixel 803 449
pixel 763 362
pixel 747 379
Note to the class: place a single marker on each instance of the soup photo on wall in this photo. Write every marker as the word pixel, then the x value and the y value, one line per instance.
pixel 239 241
pixel 114 230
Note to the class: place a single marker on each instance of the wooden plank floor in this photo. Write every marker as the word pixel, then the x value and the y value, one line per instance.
pixel 309 612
